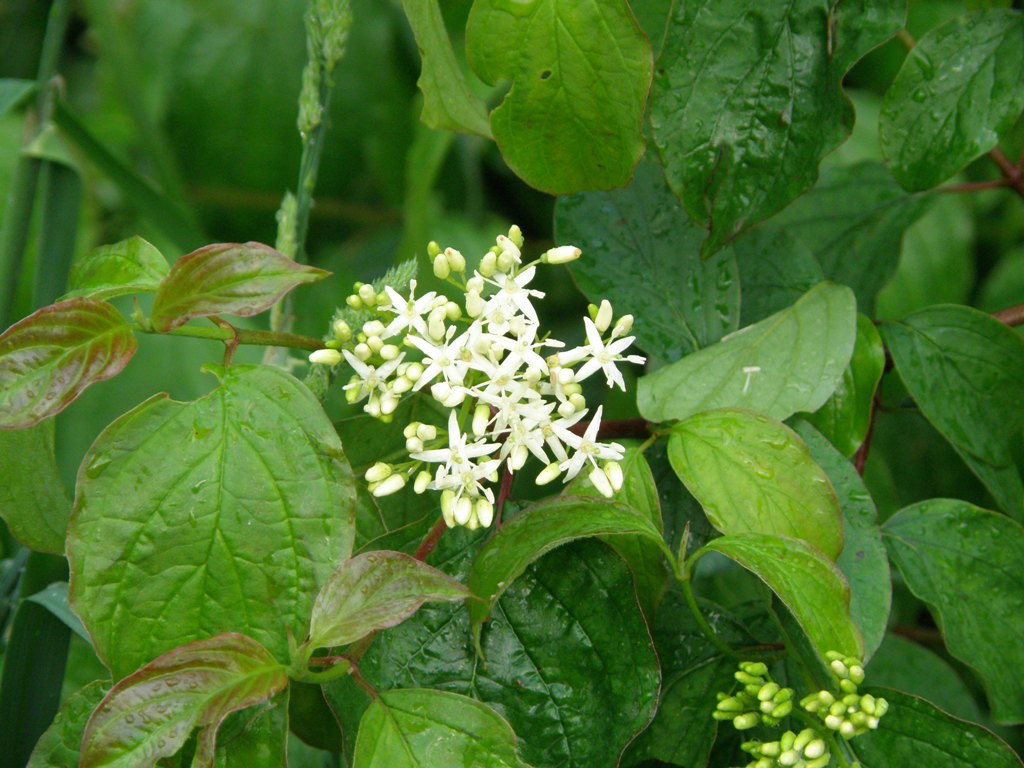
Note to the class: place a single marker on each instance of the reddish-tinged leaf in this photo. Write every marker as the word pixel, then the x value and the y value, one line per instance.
pixel 149 714
pixel 49 358
pixel 227 278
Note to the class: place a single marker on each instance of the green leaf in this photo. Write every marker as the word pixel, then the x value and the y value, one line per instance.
pixel 227 278
pixel 374 591
pixel 13 92
pixel 965 563
pixel 54 598
pixel 448 101
pixel 642 253
pixel 752 474
pixel 60 745
pixel 776 269
pixel 49 358
pixel 864 561
pixel 149 715
pixel 914 732
pixel 33 500
pixel 811 586
pixel 958 91
pixel 256 737
pixel 236 534
pixel 433 729
pixel 747 101
pixel 789 362
pixel 846 416
pixel 130 266
pixel 570 663
pixel 963 369
pixel 853 221
pixel 537 530
pixel 580 72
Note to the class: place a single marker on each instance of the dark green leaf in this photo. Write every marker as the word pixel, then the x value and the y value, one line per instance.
pixel 580 72
pixel 964 370
pixel 130 266
pixel 433 729
pixel 311 719
pixel 13 92
pixel 965 563
pixel 958 91
pixel 256 737
pixel 864 561
pixel 811 586
pixel 50 357
pixel 642 253
pixel 448 102
pixel 853 221
pixel 535 531
pixel 60 217
pixel 776 269
pixel 33 500
pixel 786 363
pixel 227 278
pixel 373 591
pixel 844 419
pixel 752 474
pixel 60 745
pixel 149 715
pixel 747 101
pixel 914 732
pixel 236 534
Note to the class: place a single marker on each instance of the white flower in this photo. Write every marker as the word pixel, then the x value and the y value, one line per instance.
pixel 370 379
pixel 408 312
pixel 587 447
pixel 442 358
pixel 459 453
pixel 605 357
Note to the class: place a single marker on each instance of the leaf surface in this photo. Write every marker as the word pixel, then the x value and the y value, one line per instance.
pixel 60 745
pixel 33 500
pixel 130 266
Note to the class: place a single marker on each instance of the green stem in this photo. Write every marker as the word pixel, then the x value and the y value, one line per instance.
pixel 698 616
pixel 243 335
pixel 309 167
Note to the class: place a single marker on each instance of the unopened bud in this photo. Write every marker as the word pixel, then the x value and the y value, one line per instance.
pixel 745 721
pixel 563 254
pixel 601 482
pixel 393 484
pixel 614 472
pixel 604 316
pixel 325 357
pixel 463 510
pixel 515 234
pixel 484 511
pixel 549 473
pixel 456 261
pixel 488 264
pixel 368 295
pixel 342 331
pixel 442 269
pixel 422 481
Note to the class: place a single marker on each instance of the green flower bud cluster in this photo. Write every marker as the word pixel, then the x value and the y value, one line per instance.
pixel 793 750
pixel 760 700
pixel 852 713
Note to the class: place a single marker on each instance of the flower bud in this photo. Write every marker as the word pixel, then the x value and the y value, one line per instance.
pixel 422 481
pixel 456 261
pixel 368 295
pixel 488 264
pixel 325 357
pixel 484 512
pixel 378 472
pixel 354 302
pixel 413 444
pixel 515 234
pixel 623 326
pixel 363 352
pixel 474 304
pixel 506 262
pixel 604 316
pixel 426 431
pixel 601 482
pixel 745 721
pixel 452 311
pixel 442 269
pixel 342 331
pixel 481 416
pixel 392 484
pixel 549 473
pixel 433 249
pixel 448 507
pixel 566 409
pixel 614 472
pixel 563 254
pixel 463 510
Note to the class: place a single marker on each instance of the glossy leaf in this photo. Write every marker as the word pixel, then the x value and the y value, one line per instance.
pixel 420 728
pixel 845 417
pixel 775 269
pixel 789 362
pixel 49 358
pixel 227 278
pixel 914 732
pixel 535 531
pixel 747 101
pixel 448 101
pixel 965 563
pixel 33 500
pixel 963 369
pixel 149 714
pixel 642 253
pixel 752 474
pixel 864 561
pixel 811 586
pixel 373 591
pixel 570 663
pixel 236 534
pixel 60 745
pixel 130 266
pixel 580 71
pixel 958 91
pixel 853 221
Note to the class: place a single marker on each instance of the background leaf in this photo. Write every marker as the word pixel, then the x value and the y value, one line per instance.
pixel 965 563
pixel 580 71
pixel 960 88
pixel 642 253
pixel 800 354
pixel 433 729
pixel 810 585
pixel 237 534
pixel 130 266
pixel 150 714
pixel 61 745
pixel 50 357
pixel 227 278
pixel 747 101
pixel 754 475
pixel 33 500
pixel 776 269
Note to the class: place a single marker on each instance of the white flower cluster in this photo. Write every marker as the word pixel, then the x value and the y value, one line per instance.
pixel 510 393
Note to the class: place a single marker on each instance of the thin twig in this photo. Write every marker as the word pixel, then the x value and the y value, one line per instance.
pixel 430 540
